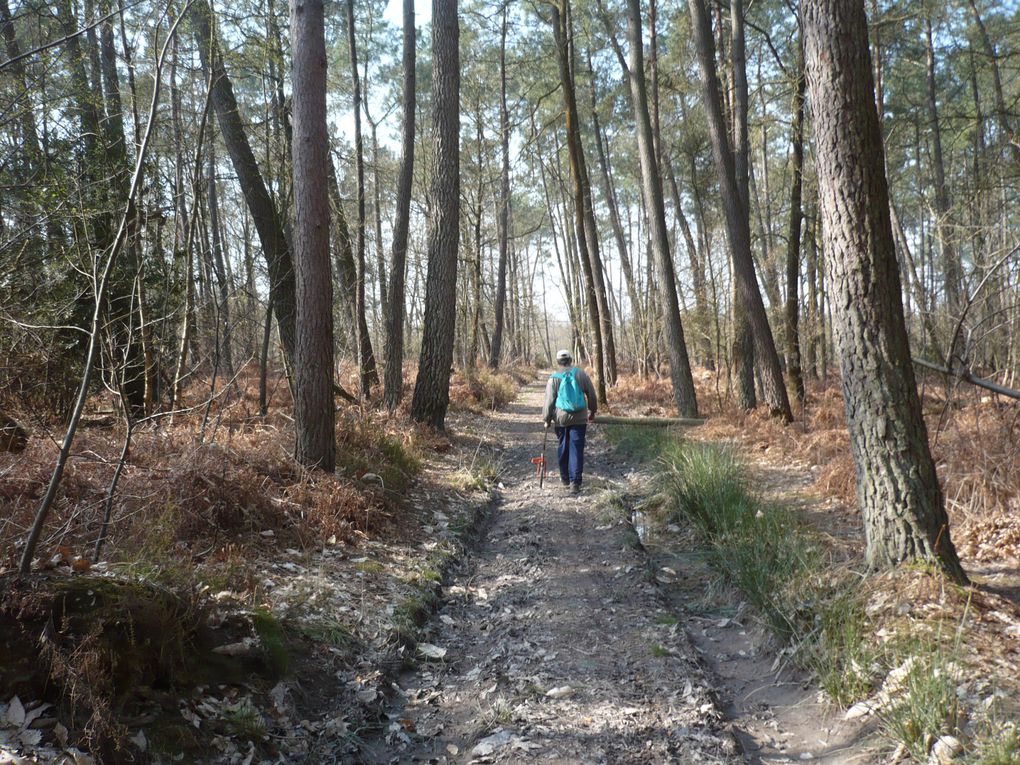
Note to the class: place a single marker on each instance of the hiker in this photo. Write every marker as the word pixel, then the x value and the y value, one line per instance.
pixel 570 404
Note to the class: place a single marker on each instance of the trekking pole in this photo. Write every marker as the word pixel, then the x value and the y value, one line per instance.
pixel 539 462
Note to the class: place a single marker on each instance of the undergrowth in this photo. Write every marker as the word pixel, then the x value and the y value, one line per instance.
pixel 482 389
pixel 828 616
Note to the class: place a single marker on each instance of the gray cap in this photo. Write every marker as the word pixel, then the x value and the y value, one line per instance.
pixel 563 355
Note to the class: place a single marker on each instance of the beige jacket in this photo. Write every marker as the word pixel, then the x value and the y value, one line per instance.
pixel 550 413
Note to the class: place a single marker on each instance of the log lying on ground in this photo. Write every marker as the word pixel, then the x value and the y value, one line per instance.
pixel 648 422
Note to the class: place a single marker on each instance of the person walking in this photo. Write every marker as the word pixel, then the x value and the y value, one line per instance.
pixel 570 404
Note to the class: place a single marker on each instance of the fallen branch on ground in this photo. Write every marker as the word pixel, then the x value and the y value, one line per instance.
pixel 648 422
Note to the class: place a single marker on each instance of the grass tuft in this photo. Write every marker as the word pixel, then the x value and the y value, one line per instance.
pixel 926 706
pixel 757 546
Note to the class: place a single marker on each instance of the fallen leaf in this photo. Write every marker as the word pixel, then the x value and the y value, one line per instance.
pixel 560 692
pixel 140 741
pixel 34 714
pixel 16 712
pixel 30 738
pixel 431 651
pixel 490 744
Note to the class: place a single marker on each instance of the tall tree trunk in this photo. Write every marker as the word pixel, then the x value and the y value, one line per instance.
pixel 897 488
pixel 504 197
pixel 655 210
pixel 343 256
pixel 747 294
pixel 743 341
pixel 1001 113
pixel 226 341
pixel 265 216
pixel 366 358
pixel 701 308
pixel 125 313
pixel 476 269
pixel 793 237
pixel 943 224
pixel 380 258
pixel 314 413
pixel 394 377
pixel 811 266
pixel 581 208
pixel 432 388
pixel 609 193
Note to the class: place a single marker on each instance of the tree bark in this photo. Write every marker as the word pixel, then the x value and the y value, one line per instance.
pixel 504 197
pixel 793 366
pixel 897 488
pixel 226 341
pixel 264 214
pixel 747 294
pixel 314 412
pixel 581 207
pixel 655 210
pixel 1001 112
pixel 366 359
pixel 432 388
pixel 943 215
pixel 394 376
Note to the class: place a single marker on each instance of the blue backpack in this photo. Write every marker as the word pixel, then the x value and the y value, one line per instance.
pixel 570 397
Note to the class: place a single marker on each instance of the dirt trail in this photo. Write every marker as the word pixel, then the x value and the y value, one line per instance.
pixel 558 645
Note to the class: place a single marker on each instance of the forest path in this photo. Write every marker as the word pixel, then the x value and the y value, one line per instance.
pixel 558 644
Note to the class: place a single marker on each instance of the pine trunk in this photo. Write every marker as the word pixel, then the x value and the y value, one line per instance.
pixel 432 388
pixel 897 489
pixel 314 412
pixel 655 210
pixel 394 376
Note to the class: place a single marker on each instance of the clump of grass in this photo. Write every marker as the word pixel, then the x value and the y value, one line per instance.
pixel 998 744
pixel 370 567
pixel 610 505
pixel 328 630
pixel 482 472
pixel 757 546
pixel 274 640
pixel 245 720
pixel 843 654
pixel 926 705
pixel 482 389
pixel 411 613
pixel 776 562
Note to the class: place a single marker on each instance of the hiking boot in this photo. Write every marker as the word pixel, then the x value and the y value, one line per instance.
pixel 575 487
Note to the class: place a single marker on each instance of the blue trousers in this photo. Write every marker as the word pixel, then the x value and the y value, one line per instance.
pixel 571 452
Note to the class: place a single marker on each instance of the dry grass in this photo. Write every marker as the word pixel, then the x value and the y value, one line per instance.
pixel 190 492
pixel 482 389
pixel 975 442
pixel 217 477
